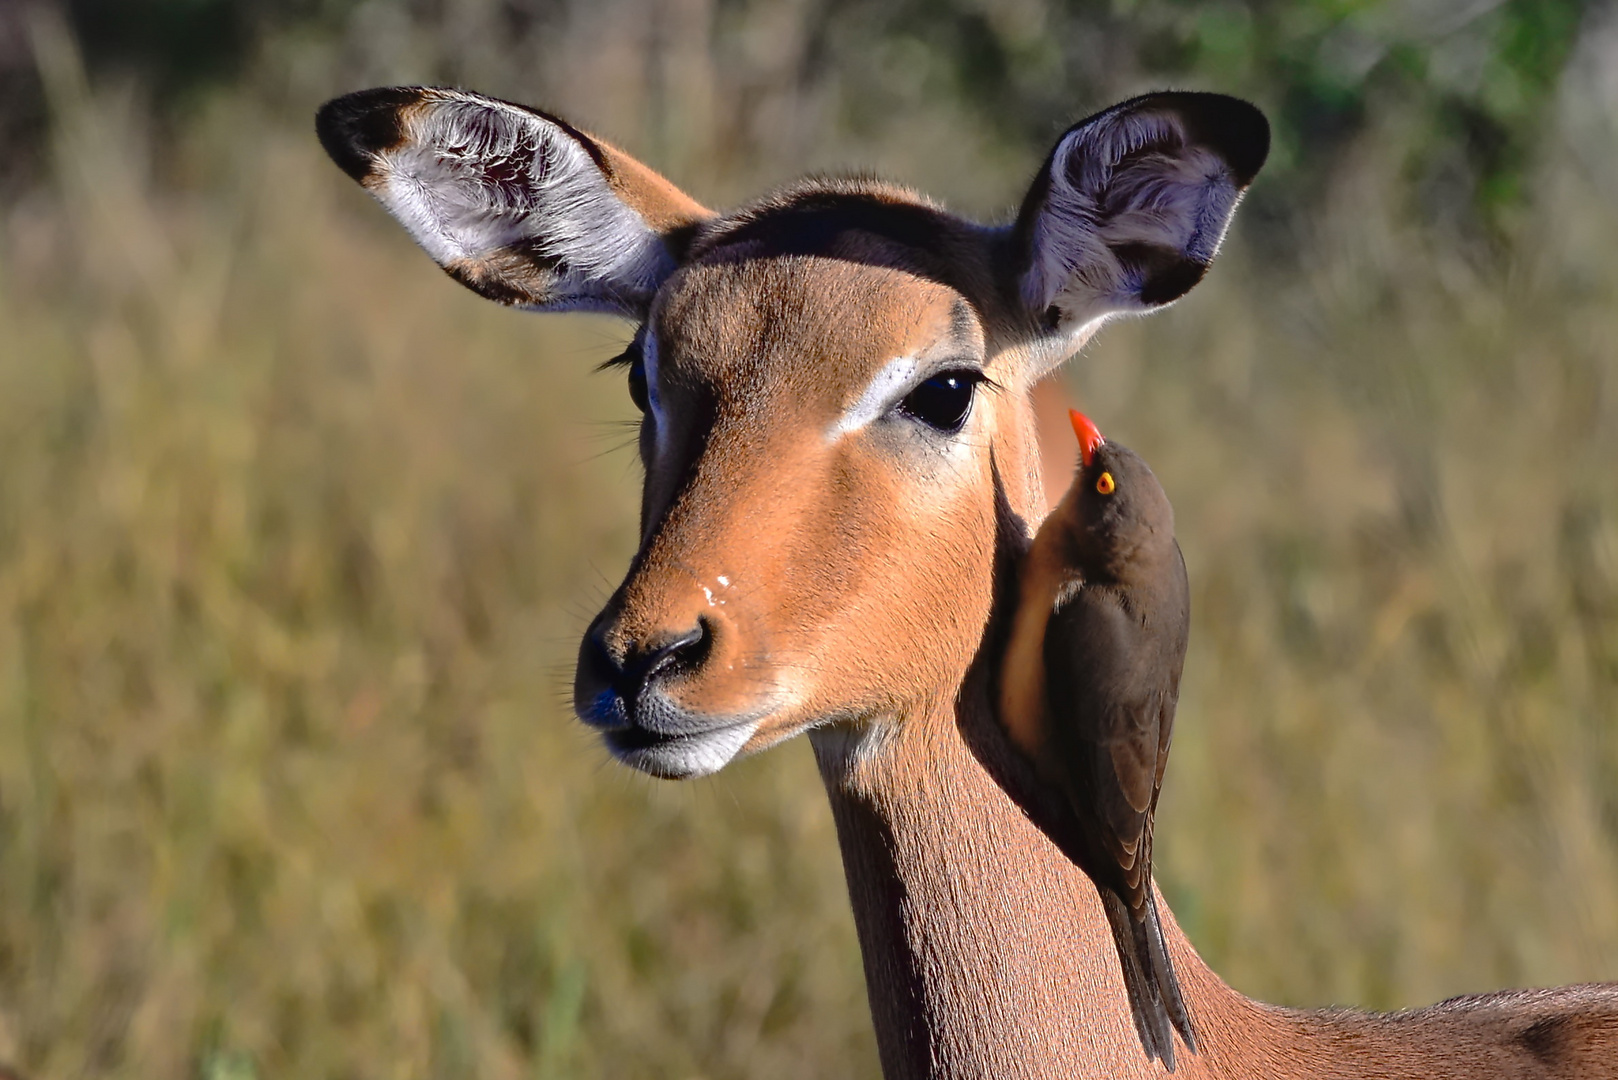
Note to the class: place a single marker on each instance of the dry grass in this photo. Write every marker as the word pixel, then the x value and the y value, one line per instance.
pixel 295 540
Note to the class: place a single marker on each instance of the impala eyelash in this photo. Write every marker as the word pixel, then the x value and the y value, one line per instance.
pixel 624 359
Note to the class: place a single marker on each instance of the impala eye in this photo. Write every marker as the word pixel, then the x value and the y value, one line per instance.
pixel 637 381
pixel 634 361
pixel 943 401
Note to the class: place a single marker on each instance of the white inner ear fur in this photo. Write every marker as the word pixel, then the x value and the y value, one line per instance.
pixel 1179 197
pixel 475 175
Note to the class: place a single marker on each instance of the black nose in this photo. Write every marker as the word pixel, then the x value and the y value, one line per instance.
pixel 626 676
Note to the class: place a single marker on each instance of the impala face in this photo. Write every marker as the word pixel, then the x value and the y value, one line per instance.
pixel 828 378
pixel 809 475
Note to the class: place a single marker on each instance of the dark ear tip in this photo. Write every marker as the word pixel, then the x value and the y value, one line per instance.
pixel 355 128
pixel 1236 128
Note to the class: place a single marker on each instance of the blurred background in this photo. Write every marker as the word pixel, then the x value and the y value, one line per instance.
pixel 296 537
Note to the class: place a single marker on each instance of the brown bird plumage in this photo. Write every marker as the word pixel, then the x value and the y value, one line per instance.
pixel 1089 684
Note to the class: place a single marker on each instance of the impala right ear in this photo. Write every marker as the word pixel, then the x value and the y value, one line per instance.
pixel 515 204
pixel 1131 206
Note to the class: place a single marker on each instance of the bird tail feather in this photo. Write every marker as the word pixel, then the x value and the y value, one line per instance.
pixel 1166 982
pixel 1154 991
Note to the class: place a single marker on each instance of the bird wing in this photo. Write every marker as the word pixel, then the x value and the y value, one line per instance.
pixel 1112 672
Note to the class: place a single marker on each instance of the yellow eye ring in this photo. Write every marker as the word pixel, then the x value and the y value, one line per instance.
pixel 1104 483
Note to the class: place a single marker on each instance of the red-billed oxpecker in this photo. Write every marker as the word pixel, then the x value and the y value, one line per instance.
pixel 1088 688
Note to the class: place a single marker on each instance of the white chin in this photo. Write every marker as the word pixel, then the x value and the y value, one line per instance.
pixel 683 757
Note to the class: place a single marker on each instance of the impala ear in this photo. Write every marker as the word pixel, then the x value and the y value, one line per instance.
pixel 1131 206
pixel 518 206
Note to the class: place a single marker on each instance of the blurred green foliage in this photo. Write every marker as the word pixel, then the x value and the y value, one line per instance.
pixel 1473 79
pixel 1469 77
pixel 296 538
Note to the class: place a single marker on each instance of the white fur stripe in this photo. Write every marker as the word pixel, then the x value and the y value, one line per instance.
pixel 882 393
pixel 654 400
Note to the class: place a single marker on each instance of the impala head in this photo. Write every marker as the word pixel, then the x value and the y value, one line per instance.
pixel 834 384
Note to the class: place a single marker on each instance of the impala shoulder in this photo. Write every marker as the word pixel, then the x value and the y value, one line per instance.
pixel 1576 1037
pixel 1568 1032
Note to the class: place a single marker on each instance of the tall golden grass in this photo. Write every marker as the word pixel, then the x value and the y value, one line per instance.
pixel 296 539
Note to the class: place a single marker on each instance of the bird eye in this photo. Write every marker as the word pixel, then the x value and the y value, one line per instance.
pixel 1104 483
pixel 943 401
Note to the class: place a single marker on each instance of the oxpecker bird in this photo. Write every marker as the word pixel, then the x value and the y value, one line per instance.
pixel 1088 687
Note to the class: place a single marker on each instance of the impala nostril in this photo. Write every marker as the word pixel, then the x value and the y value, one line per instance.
pixel 611 682
pixel 674 656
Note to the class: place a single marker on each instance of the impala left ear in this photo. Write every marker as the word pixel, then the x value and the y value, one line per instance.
pixel 1131 206
pixel 518 205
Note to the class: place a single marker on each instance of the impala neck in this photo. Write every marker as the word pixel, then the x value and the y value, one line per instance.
pixel 986 951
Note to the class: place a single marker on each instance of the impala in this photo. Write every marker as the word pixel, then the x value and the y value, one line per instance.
pixel 840 475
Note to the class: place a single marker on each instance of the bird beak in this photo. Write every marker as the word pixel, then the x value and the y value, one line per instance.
pixel 1090 439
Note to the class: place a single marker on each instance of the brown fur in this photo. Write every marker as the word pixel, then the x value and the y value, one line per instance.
pixel 858 586
pixel 986 951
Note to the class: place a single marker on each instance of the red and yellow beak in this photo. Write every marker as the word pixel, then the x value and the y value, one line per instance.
pixel 1090 439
